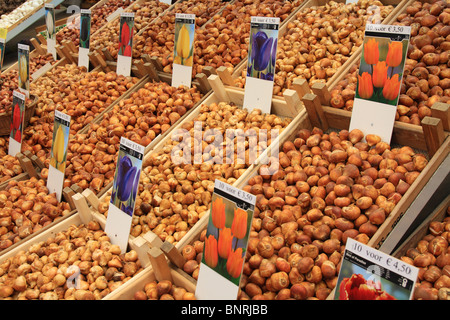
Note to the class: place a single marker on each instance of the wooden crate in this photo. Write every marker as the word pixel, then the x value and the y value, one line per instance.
pixel 63 21
pixel 437 215
pixel 18 22
pixel 304 122
pixel 285 109
pixel 144 80
pixel 32 165
pixel 435 158
pixel 52 230
pixel 159 270
pixel 208 70
pixel 96 54
pixel 33 54
pixel 103 54
pixel 398 4
pixel 29 238
pixel 409 134
pixel 430 135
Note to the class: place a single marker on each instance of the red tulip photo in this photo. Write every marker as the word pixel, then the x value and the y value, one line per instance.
pixel 239 225
pixel 126 39
pixel 17 119
pixel 365 86
pixel 395 54
pixel 210 251
pixel 16 123
pixel 371 51
pixel 391 88
pixel 125 35
pixel 381 71
pixel 235 263
pixel 18 136
pixel 379 76
pixel 358 288
pixel 226 238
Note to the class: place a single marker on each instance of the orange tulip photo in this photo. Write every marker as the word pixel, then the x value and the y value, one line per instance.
pixel 381 70
pixel 227 238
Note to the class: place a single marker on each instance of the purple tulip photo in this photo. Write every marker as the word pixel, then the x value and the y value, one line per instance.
pixel 262 58
pixel 125 185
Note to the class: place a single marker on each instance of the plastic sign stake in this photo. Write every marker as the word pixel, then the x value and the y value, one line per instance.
pixel 58 155
pixel 17 117
pixel 183 49
pixel 114 15
pixel 124 57
pixel 50 23
pixel 379 79
pixel 226 243
pixel 124 191
pixel 262 53
pixel 85 37
pixel 24 68
pixel 369 274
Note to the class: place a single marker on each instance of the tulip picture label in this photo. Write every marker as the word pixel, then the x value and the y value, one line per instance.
pixel 17 116
pixel 51 29
pixel 124 58
pixel 369 274
pixel 183 50
pixel 262 55
pixel 227 235
pixel 24 68
pixel 58 154
pixel 124 192
pixel 379 79
pixel 2 51
pixel 85 36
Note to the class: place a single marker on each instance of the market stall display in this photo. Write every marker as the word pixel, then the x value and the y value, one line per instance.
pixel 328 184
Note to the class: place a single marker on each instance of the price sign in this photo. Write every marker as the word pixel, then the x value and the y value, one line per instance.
pixel 183 49
pixel 85 37
pixel 24 68
pixel 58 154
pixel 262 55
pixel 379 79
pixel 124 57
pixel 2 51
pixel 16 127
pixel 124 191
pixel 373 275
pixel 227 235
pixel 51 29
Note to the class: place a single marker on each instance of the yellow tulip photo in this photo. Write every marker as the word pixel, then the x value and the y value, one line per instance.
pixel 59 147
pixel 184 44
pixel 24 70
